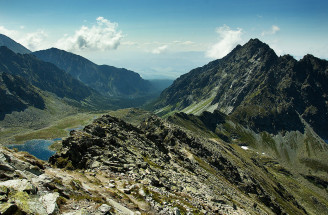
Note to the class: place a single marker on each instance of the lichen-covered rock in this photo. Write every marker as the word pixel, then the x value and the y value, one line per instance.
pixel 20 185
pixel 9 208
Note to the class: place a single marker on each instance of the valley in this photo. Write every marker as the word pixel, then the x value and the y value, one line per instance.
pixel 244 134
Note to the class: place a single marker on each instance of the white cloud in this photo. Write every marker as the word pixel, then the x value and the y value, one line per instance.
pixel 183 42
pixel 160 49
pixel 34 40
pixel 274 30
pixel 101 36
pixel 228 40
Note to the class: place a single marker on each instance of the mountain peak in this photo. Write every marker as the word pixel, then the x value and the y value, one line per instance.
pixel 256 44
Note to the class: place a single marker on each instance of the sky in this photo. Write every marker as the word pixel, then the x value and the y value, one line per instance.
pixel 165 39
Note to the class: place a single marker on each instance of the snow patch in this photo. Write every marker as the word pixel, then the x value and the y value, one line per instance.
pixel 245 147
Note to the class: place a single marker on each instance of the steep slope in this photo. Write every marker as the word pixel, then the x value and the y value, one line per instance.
pixel 108 80
pixel 161 168
pixel 13 45
pixel 45 76
pixel 305 153
pixel 258 88
pixel 17 95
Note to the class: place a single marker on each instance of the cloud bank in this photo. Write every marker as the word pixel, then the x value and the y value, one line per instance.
pixel 104 35
pixel 228 40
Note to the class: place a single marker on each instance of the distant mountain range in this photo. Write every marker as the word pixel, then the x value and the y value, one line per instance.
pixel 76 80
pixel 43 75
pixel 13 45
pixel 108 80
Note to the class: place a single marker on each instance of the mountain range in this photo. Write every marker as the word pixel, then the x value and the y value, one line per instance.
pixel 108 80
pixel 73 79
pixel 43 75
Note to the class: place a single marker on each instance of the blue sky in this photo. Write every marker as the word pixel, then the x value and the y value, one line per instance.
pixel 164 39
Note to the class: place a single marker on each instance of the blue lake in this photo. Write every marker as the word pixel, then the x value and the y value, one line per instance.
pixel 38 148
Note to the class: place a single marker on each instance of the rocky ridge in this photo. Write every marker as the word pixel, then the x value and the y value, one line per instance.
pixel 161 168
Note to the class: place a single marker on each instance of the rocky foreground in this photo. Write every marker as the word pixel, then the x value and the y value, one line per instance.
pixel 112 167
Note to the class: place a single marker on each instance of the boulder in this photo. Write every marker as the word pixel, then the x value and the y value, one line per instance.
pixel 104 209
pixel 49 202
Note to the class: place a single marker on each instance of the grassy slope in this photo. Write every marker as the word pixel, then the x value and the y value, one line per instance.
pixel 50 123
pixel 278 160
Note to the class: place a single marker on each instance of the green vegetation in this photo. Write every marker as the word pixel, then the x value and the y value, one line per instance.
pixel 151 163
pixel 199 107
pixel 314 164
pixel 269 141
pixel 58 129
pixel 61 201
pixel 64 163
pixel 133 116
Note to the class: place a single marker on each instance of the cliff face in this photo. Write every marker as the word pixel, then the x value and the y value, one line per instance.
pixel 260 89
